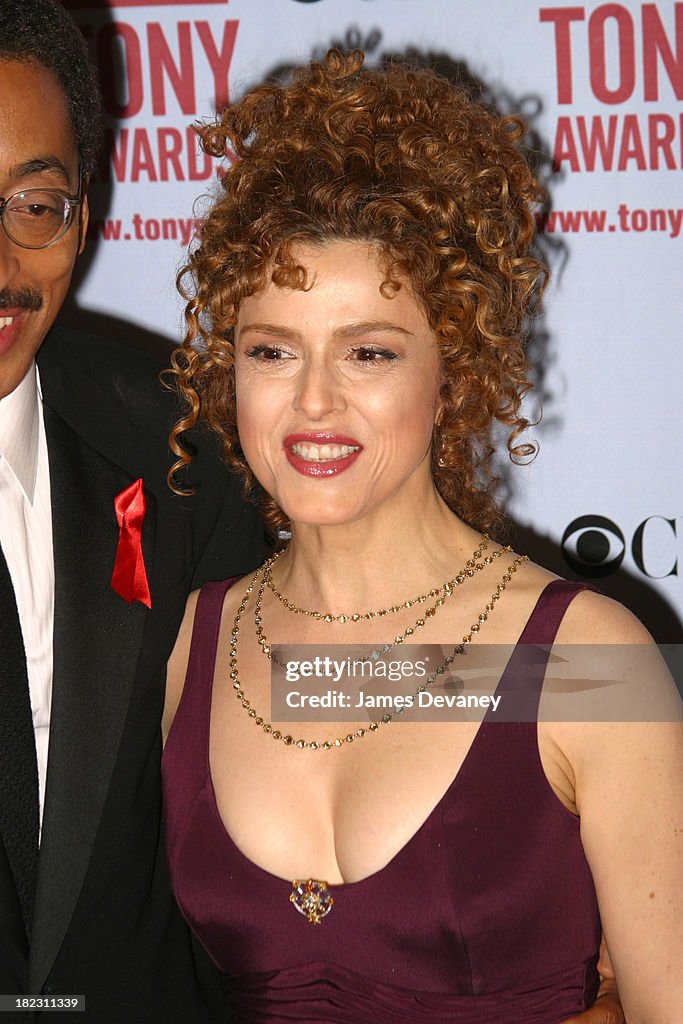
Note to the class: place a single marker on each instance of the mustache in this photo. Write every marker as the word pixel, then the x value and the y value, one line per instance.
pixel 22 298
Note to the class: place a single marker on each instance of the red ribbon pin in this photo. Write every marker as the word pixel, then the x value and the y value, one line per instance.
pixel 129 578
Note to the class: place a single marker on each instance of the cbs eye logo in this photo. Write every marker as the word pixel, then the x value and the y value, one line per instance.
pixel 595 546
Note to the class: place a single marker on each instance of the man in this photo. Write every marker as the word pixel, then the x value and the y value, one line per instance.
pixel 82 447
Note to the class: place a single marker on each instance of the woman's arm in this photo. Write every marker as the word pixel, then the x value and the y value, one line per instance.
pixel 177 666
pixel 607 1008
pixel 629 794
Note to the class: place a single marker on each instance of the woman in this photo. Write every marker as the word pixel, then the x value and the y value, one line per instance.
pixel 355 311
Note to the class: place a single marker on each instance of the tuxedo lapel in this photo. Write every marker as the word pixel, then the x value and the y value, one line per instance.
pixel 14 942
pixel 97 640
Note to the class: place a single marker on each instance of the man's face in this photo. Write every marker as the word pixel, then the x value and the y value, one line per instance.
pixel 37 150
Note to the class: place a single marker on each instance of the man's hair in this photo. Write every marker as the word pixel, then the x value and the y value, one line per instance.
pixel 41 32
pixel 400 159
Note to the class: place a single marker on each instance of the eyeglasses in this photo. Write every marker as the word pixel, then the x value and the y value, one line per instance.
pixel 38 217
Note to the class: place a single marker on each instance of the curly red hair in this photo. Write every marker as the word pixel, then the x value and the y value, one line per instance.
pixel 401 159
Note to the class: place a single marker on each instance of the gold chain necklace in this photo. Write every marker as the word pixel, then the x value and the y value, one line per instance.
pixel 301 744
pixel 447 587
pixel 471 567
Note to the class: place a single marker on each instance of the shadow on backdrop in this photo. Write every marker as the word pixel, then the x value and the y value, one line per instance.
pixel 93 16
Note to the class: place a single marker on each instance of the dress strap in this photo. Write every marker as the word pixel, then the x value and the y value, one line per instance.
pixel 545 619
pixel 521 683
pixel 185 760
pixel 189 733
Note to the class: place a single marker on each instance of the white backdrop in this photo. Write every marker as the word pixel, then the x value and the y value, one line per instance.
pixel 603 86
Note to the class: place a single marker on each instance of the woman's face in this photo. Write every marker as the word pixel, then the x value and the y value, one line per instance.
pixel 337 389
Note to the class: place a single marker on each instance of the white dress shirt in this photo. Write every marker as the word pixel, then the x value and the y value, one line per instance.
pixel 26 538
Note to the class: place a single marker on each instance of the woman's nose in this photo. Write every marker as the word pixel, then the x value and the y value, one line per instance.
pixel 319 390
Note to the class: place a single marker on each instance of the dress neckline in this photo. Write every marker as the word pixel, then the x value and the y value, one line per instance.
pixel 433 812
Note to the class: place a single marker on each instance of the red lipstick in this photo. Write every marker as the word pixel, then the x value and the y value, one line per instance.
pixel 328 467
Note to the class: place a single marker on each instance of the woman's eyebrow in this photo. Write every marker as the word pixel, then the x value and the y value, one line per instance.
pixel 353 330
pixel 278 330
pixel 372 327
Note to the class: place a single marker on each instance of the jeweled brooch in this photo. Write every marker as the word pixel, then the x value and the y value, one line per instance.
pixel 312 899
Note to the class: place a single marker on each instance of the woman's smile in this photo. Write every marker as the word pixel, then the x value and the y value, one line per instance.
pixel 337 389
pixel 321 454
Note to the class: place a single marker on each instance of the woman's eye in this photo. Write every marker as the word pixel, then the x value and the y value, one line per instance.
pixel 267 353
pixel 366 354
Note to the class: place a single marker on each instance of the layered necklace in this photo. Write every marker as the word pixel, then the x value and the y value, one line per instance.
pixel 262 578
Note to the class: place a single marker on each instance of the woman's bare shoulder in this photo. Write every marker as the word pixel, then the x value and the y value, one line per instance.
pixel 608 686
pixel 594 618
pixel 177 664
pixel 591 617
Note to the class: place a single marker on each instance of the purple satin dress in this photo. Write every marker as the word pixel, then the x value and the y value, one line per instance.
pixel 488 915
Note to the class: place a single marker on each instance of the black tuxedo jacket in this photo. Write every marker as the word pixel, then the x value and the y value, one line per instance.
pixel 105 924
